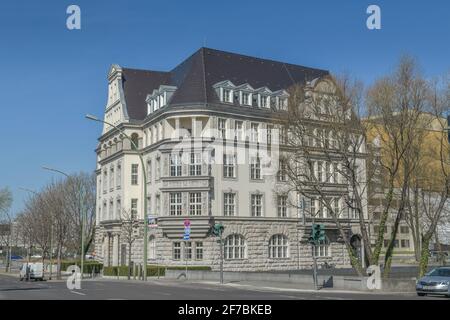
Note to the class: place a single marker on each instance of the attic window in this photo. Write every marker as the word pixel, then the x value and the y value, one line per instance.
pixel 245 98
pixel 227 95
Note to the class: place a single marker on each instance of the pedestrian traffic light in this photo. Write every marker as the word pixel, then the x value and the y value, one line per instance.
pixel 217 229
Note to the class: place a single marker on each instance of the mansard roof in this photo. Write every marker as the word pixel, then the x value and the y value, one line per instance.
pixel 196 77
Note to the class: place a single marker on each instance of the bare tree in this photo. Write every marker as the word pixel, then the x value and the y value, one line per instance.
pixel 79 201
pixel 396 104
pixel 6 221
pixel 130 231
pixel 326 140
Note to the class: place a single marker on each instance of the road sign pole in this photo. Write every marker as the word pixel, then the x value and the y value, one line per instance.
pixel 221 259
pixel 314 266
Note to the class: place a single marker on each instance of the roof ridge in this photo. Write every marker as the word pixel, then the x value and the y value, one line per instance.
pixel 265 59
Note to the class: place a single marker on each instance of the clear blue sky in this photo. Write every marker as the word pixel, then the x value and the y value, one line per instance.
pixel 51 77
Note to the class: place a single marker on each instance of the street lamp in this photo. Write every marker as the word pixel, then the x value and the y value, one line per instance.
pixel 94 118
pixel 82 217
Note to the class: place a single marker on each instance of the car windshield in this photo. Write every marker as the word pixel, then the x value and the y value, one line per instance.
pixel 440 273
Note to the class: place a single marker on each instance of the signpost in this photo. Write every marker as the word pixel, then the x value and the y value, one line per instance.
pixel 186 237
pixel 317 235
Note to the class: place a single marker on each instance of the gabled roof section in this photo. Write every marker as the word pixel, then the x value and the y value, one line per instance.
pixel 197 76
pixel 136 85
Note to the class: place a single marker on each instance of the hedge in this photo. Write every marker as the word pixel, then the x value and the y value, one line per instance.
pixel 88 266
pixel 152 270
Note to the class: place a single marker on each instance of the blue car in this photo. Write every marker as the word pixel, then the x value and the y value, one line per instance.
pixel 437 281
pixel 16 258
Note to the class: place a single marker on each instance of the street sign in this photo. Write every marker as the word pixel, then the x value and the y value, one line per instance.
pixel 187 223
pixel 152 222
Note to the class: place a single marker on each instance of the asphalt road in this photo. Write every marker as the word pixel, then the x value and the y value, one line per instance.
pixel 104 289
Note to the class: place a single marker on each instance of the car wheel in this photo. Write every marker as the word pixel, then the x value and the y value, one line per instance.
pixel 421 294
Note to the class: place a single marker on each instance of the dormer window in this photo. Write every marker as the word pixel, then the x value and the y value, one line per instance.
pixel 263 101
pixel 245 98
pixel 227 96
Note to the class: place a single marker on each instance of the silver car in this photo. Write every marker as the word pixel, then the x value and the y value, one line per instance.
pixel 435 282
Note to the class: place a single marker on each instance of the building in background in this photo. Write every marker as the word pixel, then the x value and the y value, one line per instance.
pixel 211 131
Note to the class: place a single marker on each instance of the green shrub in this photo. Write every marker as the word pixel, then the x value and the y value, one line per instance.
pixel 152 270
pixel 88 266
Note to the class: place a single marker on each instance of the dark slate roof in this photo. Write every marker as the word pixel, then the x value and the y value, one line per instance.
pixel 196 76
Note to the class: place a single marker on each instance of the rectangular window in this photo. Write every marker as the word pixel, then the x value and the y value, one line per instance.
pixel 263 101
pixel 175 203
pixel 134 208
pixel 269 133
pixel 229 204
pixel 283 135
pixel 175 165
pixel 105 181
pixel 149 171
pixel 256 205
pixel 322 250
pixel 118 208
pixel 195 166
pixel 245 98
pixel 158 169
pixel 111 178
pixel 226 95
pixel 134 174
pixel 336 206
pixel 229 165
pixel 313 208
pixel 335 173
pixel 255 168
pixel 176 254
pixel 319 171
pixel 405 243
pixel 188 251
pixel 158 204
pixel 404 229
pixel 282 170
pixel 254 131
pixel 222 128
pixel 239 132
pixel 328 173
pixel 282 206
pixel 195 203
pixel 119 175
pixel 199 250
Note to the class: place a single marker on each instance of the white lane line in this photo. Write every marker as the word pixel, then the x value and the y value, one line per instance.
pixel 80 293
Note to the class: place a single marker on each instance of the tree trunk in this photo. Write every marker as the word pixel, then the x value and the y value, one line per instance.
pixel 383 219
pixel 424 256
pixel 58 262
pixel 129 261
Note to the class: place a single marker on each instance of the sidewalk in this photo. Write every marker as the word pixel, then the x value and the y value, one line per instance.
pixel 293 287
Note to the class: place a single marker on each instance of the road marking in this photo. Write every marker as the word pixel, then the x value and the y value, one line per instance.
pixel 80 293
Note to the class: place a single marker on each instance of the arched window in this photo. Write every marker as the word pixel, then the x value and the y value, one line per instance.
pixel 152 247
pixel 323 248
pixel 278 246
pixel 135 141
pixel 235 247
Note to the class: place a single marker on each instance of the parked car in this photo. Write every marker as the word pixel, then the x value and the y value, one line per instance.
pixel 437 281
pixel 16 258
pixel 32 270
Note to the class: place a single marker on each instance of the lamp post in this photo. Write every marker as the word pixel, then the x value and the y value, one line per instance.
pixel 82 217
pixel 94 118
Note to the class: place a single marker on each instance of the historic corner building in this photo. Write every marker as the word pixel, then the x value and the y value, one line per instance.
pixel 211 96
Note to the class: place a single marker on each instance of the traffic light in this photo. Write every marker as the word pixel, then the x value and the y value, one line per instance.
pixel 217 229
pixel 321 233
pixel 317 233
